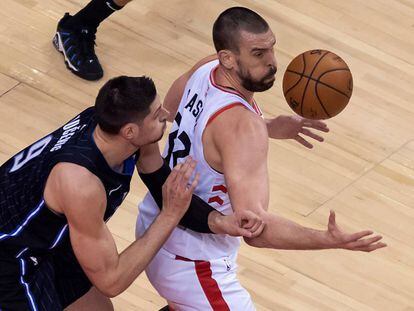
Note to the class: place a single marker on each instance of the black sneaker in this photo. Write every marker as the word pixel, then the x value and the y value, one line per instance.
pixel 78 49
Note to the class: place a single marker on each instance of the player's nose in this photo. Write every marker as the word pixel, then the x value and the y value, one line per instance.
pixel 165 112
pixel 272 61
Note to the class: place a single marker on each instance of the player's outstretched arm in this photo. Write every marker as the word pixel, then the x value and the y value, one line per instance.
pixel 200 216
pixel 81 197
pixel 242 144
pixel 285 234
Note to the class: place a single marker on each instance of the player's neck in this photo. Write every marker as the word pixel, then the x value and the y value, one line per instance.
pixel 113 149
pixel 225 79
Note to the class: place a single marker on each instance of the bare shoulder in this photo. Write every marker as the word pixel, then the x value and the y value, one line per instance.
pixel 239 123
pixel 77 178
pixel 202 62
pixel 71 186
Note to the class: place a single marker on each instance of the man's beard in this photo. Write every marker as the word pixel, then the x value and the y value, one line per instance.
pixel 253 85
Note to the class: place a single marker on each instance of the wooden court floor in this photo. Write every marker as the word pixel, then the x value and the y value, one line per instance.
pixel 364 170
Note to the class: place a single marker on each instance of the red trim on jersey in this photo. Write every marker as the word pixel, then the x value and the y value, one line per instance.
pixel 208 284
pixel 216 114
pixel 257 108
pixel 232 91
pixel 216 199
pixel 221 188
pixel 222 88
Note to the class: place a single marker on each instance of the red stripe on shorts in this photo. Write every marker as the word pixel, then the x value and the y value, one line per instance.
pixel 208 284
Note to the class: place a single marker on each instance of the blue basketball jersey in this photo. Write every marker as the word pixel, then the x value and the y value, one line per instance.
pixel 27 225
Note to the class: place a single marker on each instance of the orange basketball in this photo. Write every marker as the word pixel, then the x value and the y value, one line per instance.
pixel 317 84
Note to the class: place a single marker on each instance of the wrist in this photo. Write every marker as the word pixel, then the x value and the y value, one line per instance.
pixel 168 218
pixel 214 221
pixel 328 241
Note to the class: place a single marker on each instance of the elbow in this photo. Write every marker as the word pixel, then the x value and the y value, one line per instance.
pixel 109 291
pixel 109 294
pixel 259 238
pixel 109 286
pixel 255 242
pixel 112 286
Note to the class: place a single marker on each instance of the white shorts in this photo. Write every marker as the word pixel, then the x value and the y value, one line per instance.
pixel 198 285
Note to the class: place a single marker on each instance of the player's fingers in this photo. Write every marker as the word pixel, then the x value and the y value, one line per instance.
pixel 309 133
pixel 372 247
pixel 364 242
pixel 189 170
pixel 332 220
pixel 256 227
pixel 184 174
pixel 252 222
pixel 243 232
pixel 180 174
pixel 183 169
pixel 171 179
pixel 247 222
pixel 248 219
pixel 316 124
pixel 358 235
pixel 259 230
pixel 303 142
pixel 194 183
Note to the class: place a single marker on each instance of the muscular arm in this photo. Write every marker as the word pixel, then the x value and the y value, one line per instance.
pixel 242 143
pixel 200 216
pixel 81 197
pixel 243 150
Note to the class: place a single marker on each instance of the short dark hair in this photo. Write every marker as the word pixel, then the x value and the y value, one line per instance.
pixel 122 100
pixel 228 25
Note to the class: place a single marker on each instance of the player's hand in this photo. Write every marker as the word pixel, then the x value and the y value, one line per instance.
pixel 359 241
pixel 177 191
pixel 244 223
pixel 295 127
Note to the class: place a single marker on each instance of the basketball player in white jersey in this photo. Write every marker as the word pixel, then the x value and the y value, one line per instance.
pixel 219 124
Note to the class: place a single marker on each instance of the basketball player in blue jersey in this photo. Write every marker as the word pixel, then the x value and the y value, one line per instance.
pixel 75 37
pixel 57 194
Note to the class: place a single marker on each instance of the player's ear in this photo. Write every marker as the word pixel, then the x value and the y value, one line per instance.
pixel 227 59
pixel 129 131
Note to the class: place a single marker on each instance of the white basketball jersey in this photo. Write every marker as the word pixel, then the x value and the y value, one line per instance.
pixel 202 100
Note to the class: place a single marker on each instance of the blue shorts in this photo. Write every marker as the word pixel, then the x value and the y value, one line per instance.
pixel 41 282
